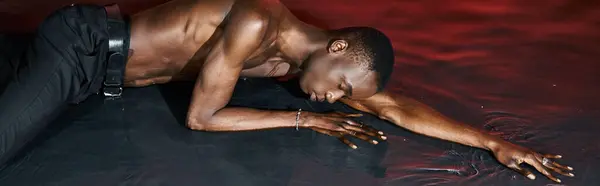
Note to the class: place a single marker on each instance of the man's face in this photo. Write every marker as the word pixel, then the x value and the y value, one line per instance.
pixel 331 75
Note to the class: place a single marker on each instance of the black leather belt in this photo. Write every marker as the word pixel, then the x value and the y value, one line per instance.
pixel 118 48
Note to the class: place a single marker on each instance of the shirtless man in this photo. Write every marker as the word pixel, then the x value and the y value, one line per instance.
pixel 215 42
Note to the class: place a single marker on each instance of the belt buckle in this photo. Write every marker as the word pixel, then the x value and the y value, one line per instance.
pixel 113 92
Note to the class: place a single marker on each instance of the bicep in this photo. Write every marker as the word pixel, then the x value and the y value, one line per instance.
pixel 215 83
pixel 221 68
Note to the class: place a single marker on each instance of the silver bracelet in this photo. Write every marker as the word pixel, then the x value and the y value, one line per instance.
pixel 298 118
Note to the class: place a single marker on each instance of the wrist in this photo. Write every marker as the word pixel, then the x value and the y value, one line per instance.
pixel 493 143
pixel 304 119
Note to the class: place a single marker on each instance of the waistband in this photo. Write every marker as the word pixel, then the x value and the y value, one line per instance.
pixel 118 46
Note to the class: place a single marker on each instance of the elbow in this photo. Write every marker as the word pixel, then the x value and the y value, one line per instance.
pixel 197 125
pixel 201 121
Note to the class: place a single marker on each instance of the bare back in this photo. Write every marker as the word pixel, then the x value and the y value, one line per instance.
pixel 170 41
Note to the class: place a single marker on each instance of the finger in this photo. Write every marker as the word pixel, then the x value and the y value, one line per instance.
pixel 347 142
pixel 364 137
pixel 350 115
pixel 541 168
pixel 558 170
pixel 552 163
pixel 562 166
pixel 523 171
pixel 371 128
pixel 350 127
pixel 552 156
pixel 354 115
pixel 353 123
pixel 367 128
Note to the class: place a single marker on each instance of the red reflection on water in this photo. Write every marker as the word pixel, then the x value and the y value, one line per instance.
pixel 523 57
pixel 497 53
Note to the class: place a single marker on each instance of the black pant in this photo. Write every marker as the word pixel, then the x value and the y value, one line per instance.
pixel 64 63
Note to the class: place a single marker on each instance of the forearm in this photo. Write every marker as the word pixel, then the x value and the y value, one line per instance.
pixel 421 119
pixel 242 119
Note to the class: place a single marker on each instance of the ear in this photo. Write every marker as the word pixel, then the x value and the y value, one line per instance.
pixel 337 46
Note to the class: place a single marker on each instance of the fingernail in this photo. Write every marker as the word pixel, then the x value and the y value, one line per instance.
pixel 374 142
pixel 380 133
pixel 383 137
pixel 354 147
pixel 570 168
pixel 571 174
pixel 557 180
pixel 531 176
pixel 558 156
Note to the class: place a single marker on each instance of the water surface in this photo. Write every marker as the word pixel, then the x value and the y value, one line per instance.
pixel 528 71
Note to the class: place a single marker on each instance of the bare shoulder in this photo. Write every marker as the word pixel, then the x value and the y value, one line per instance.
pixel 257 10
pixel 249 21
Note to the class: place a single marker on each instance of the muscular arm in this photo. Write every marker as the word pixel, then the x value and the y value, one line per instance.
pixel 219 74
pixel 419 118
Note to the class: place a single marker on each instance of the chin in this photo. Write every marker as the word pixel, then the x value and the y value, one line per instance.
pixel 304 88
pixel 303 85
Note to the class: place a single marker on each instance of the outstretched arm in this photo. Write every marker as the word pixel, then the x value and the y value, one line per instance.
pixel 419 118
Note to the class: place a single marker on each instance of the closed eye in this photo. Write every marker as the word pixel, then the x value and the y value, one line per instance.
pixel 347 88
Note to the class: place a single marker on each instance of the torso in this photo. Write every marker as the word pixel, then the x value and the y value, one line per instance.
pixel 170 42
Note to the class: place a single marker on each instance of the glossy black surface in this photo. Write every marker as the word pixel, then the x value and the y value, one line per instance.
pixel 526 71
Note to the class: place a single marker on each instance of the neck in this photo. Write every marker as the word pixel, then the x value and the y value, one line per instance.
pixel 298 40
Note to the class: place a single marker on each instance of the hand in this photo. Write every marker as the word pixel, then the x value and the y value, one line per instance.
pixel 513 155
pixel 339 125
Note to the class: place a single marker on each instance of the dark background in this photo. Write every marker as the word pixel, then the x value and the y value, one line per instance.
pixel 525 70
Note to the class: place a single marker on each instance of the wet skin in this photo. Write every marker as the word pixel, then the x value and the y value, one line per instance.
pixel 214 42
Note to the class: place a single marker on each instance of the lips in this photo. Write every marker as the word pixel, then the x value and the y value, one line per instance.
pixel 314 97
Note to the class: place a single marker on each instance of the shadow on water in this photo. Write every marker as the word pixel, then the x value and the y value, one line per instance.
pixel 307 145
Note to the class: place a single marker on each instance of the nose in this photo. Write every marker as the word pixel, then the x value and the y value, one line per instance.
pixel 333 96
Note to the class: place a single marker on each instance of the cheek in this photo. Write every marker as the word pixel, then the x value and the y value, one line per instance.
pixel 328 84
pixel 316 74
pixel 316 85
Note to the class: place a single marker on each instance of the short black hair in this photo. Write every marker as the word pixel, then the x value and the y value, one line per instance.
pixel 369 46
